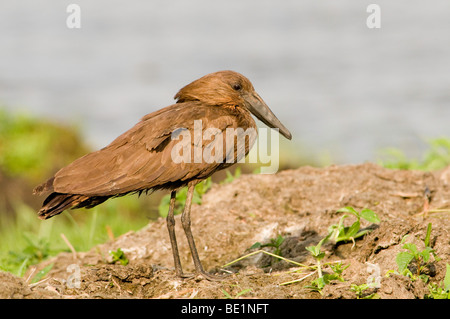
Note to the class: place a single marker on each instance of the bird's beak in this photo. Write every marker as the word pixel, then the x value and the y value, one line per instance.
pixel 259 108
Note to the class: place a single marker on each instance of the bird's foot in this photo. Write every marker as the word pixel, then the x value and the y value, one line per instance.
pixel 186 276
pixel 204 274
pixel 212 277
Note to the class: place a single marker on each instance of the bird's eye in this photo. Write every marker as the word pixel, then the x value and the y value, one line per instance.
pixel 237 86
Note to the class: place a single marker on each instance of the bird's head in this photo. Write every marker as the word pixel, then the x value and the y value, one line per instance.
pixel 229 88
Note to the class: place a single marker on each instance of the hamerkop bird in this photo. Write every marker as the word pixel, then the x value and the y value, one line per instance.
pixel 147 157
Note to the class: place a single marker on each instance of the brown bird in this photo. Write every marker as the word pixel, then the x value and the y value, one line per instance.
pixel 152 155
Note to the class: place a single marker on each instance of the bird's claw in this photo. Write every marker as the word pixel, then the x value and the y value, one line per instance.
pixel 203 274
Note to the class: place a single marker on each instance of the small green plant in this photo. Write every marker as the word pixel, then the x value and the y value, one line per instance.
pixel 421 259
pixel 241 293
pixel 437 292
pixel 318 254
pixel 340 233
pixel 441 290
pixel 119 256
pixel 324 279
pixel 359 291
pixel 199 190
pixel 274 242
pixel 338 269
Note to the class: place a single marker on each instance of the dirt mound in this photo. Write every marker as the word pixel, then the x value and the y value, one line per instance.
pixel 299 205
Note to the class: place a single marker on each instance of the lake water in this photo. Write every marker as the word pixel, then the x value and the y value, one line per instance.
pixel 340 87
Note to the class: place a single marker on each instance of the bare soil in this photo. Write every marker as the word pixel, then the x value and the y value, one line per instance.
pixel 297 204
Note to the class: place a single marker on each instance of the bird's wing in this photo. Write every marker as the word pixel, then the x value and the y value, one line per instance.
pixel 141 158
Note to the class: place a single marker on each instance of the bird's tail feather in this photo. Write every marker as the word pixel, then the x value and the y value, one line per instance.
pixel 56 203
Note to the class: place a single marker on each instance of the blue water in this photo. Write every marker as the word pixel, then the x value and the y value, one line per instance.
pixel 340 87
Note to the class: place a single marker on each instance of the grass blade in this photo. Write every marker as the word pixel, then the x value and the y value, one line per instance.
pixel 427 237
pixel 41 274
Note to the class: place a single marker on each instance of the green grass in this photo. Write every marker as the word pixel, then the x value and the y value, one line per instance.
pixel 436 157
pixel 26 240
pixel 33 148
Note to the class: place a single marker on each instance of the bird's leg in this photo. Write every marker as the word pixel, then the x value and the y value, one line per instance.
pixel 186 222
pixel 173 239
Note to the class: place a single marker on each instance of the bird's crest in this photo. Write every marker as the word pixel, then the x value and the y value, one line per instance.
pixel 219 88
